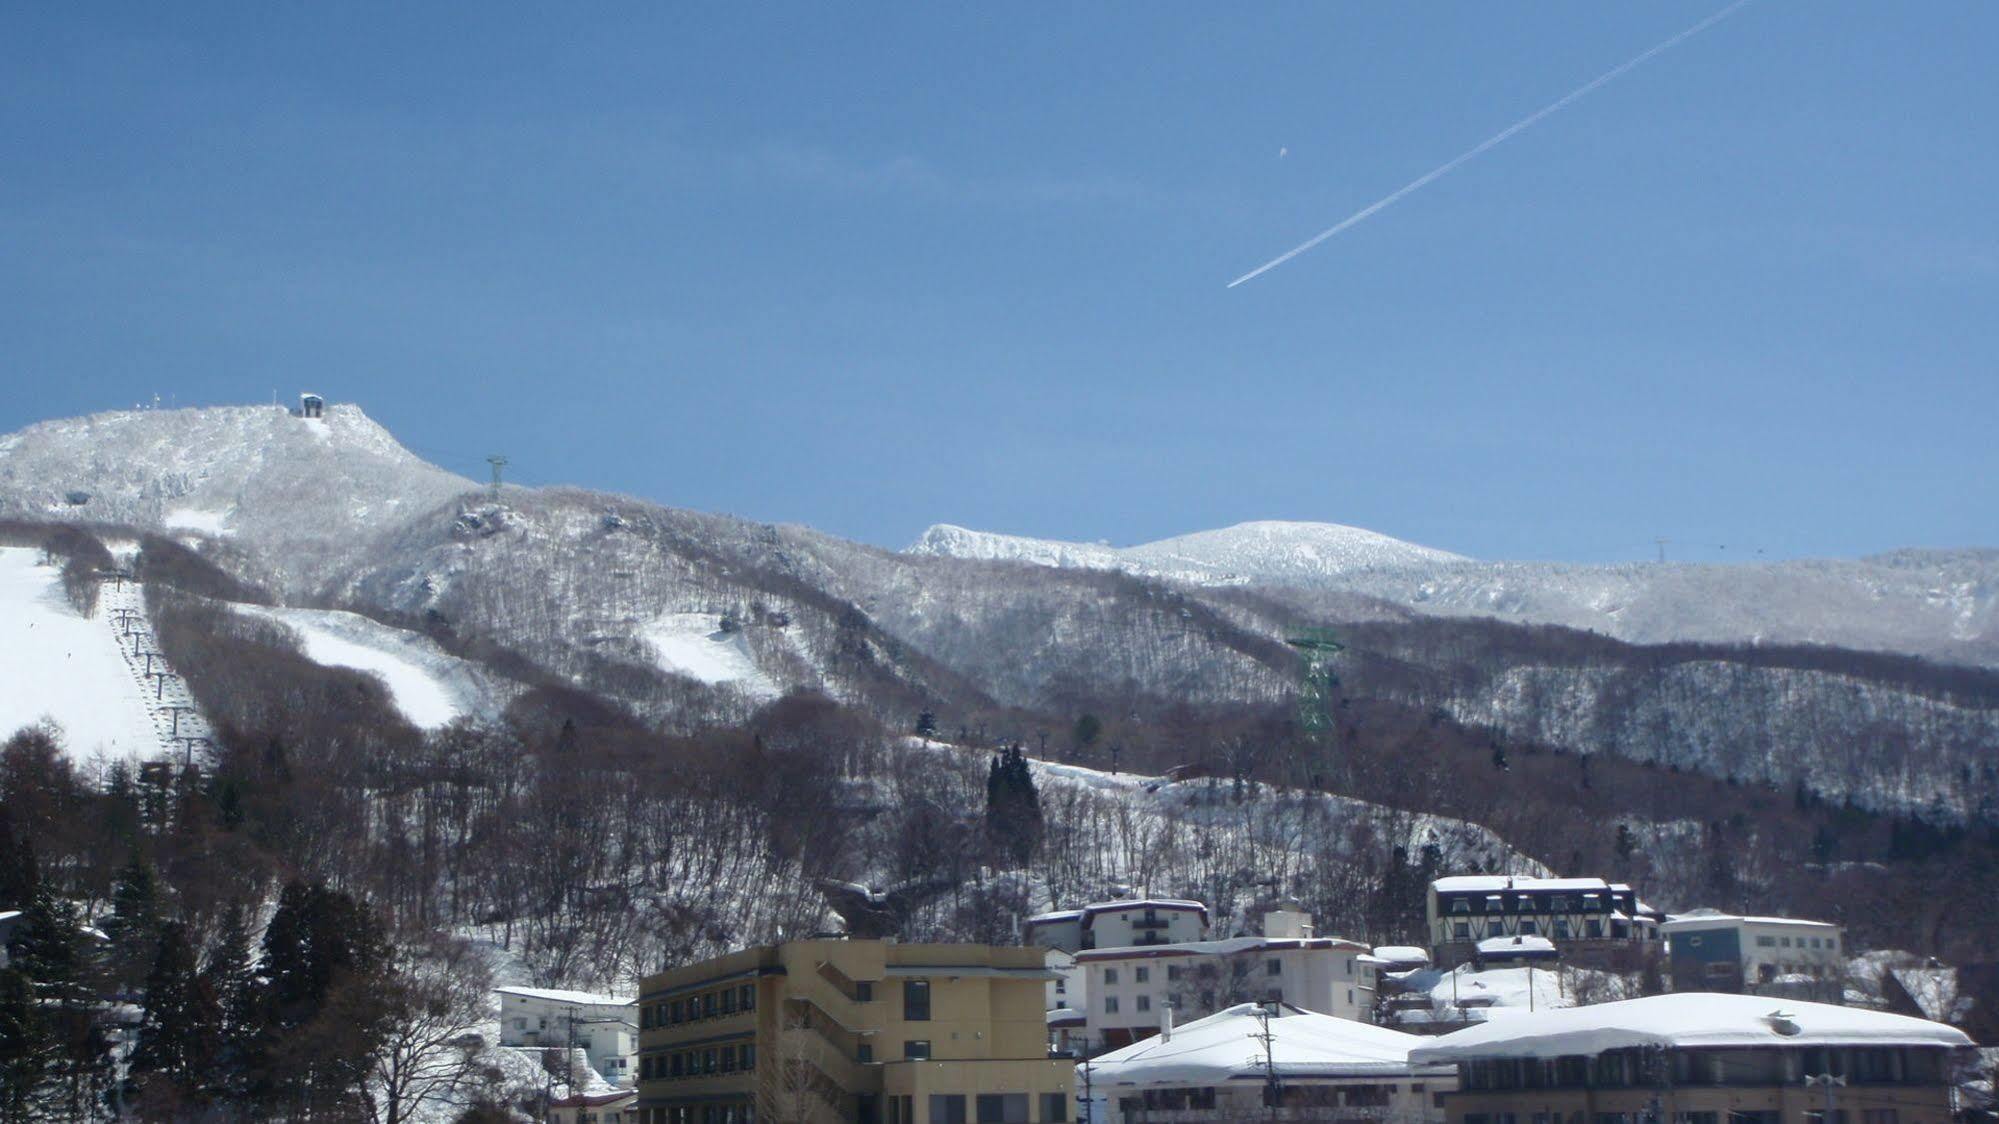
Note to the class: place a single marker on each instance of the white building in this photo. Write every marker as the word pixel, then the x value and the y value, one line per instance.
pixel 1118 924
pixel 1701 1058
pixel 1220 1068
pixel 1129 989
pixel 1587 918
pixel 604 1027
pixel 1730 953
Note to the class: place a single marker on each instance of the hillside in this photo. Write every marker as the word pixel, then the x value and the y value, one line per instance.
pixel 1938 603
pixel 689 620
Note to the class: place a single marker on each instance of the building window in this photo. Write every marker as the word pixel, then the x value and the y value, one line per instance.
pixel 1172 972
pixel 1273 967
pixel 947 1108
pixel 864 1053
pixel 708 1061
pixel 708 1006
pixel 1141 975
pixel 916 1001
pixel 916 1050
pixel 679 1065
pixel 747 1052
pixel 1110 975
pixel 1110 1004
pixel 728 1002
pixel 864 991
pixel 1002 1108
pixel 1462 931
pixel 1055 1108
pixel 746 997
pixel 1593 928
pixel 1145 1003
pixel 1526 928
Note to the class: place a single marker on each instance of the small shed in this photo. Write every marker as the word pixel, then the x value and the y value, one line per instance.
pixel 1525 949
pixel 311 406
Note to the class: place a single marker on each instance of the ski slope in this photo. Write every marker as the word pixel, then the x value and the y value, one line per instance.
pixel 57 664
pixel 428 685
pixel 693 645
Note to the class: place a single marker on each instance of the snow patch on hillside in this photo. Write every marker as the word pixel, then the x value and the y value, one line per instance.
pixel 694 645
pixel 428 685
pixel 56 663
pixel 205 522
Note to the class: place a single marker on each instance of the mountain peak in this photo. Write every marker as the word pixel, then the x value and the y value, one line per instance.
pixel 313 487
pixel 1259 550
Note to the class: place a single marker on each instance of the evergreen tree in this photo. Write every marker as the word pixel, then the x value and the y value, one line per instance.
pixel 231 978
pixel 318 1021
pixel 1088 728
pixel 134 925
pixel 926 725
pixel 1626 844
pixel 47 953
pixel 174 1058
pixel 18 870
pixel 1013 807
pixel 26 1048
pixel 47 945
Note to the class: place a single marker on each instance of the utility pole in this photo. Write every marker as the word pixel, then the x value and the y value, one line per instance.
pixel 1829 1082
pixel 1662 548
pixel 1273 1089
pixel 498 462
pixel 1089 1096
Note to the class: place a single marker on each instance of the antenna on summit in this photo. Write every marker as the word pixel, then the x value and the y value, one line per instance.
pixel 1662 548
pixel 498 462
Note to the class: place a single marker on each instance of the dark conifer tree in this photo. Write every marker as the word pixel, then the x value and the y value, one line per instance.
pixel 134 925
pixel 230 977
pixel 1013 808
pixel 26 1048
pixel 173 1061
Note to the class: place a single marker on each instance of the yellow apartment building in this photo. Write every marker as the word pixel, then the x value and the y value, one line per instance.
pixel 857 1031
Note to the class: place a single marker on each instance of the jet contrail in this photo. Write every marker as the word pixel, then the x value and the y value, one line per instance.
pixel 1495 139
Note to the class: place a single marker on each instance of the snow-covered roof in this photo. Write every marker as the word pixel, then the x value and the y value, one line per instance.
pixel 1216 1049
pixel 1695 922
pixel 1490 883
pixel 1054 917
pixel 1514 946
pixel 555 995
pixel 1685 1019
pixel 1403 954
pixel 1094 908
pixel 1226 947
pixel 9 914
pixel 1066 1016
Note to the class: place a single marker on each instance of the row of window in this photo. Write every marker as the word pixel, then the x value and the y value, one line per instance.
pixel 719 1003
pixel 1735 1116
pixel 1829 944
pixel 1623 1069
pixel 988 1108
pixel 1550 903
pixel 1561 930
pixel 725 1113
pixel 698 1063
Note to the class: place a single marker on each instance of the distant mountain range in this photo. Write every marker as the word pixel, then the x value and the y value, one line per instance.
pixel 687 617
pixel 1937 603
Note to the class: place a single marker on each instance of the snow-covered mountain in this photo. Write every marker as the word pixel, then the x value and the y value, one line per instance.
pixel 1938 603
pixel 1247 553
pixel 302 496
pixel 688 618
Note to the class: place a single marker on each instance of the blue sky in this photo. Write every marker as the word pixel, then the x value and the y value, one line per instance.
pixel 871 268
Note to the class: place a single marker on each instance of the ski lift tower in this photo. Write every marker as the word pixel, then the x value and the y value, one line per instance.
pixel 1315 693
